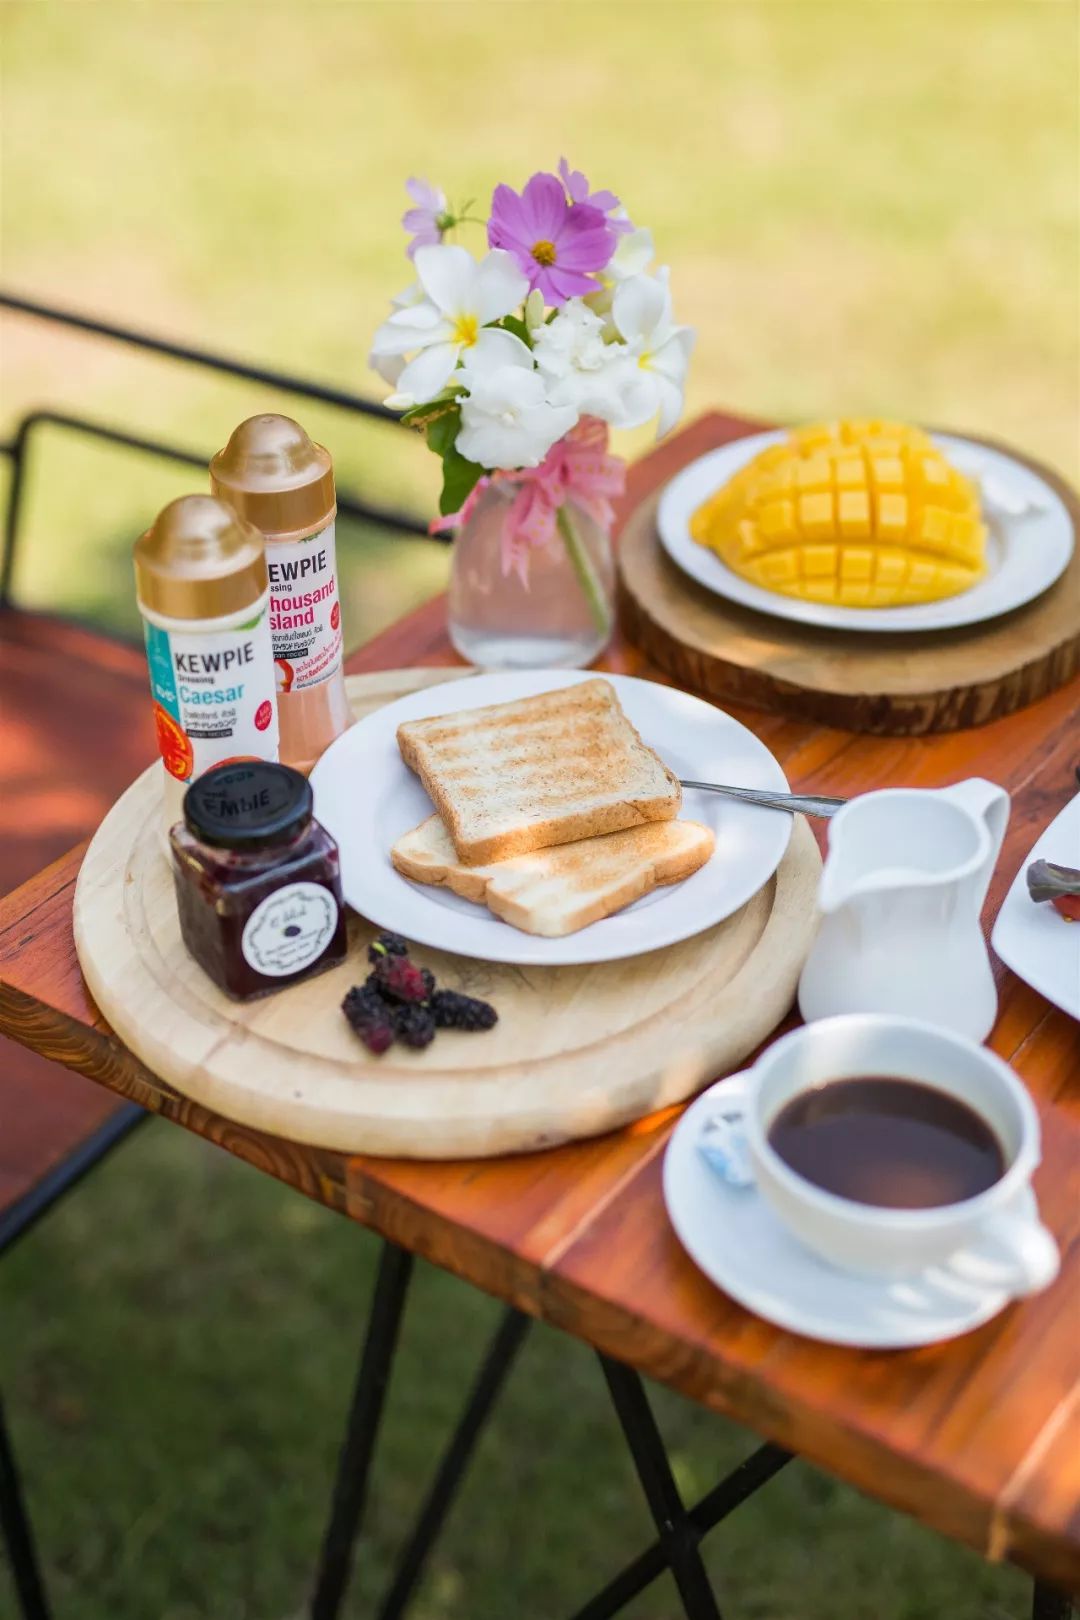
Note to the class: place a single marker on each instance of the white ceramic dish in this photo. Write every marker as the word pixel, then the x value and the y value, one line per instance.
pixel 367 797
pixel 1029 545
pixel 1035 940
pixel 733 1236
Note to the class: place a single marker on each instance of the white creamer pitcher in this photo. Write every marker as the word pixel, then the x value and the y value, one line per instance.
pixel 904 883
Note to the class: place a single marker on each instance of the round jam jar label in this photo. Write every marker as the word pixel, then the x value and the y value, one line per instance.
pixel 290 929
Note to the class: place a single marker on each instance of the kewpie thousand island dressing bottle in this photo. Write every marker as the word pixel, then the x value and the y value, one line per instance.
pixel 283 482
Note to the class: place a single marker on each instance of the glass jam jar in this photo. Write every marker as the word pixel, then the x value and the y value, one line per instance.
pixel 258 881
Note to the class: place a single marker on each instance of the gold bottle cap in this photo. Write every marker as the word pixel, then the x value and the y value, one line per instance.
pixel 276 476
pixel 199 560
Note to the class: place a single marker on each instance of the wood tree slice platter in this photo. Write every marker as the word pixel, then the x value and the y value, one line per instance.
pixel 604 1044
pixel 891 685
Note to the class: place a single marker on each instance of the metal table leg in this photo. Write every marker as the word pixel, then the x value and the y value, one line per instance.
pixel 358 1447
pixel 485 1391
pixel 680 1529
pixel 677 1536
pixel 1047 1603
pixel 724 1498
pixel 18 1537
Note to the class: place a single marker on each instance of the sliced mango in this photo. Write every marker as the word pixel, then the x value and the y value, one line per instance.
pixel 855 513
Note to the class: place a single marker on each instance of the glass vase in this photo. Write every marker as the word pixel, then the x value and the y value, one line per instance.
pixel 561 619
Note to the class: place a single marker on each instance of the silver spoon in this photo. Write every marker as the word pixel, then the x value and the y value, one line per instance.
pixel 809 804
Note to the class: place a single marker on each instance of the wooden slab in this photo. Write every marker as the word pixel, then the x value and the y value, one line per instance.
pixel 891 685
pixel 605 1044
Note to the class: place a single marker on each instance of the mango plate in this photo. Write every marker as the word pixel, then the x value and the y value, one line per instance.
pixel 1029 545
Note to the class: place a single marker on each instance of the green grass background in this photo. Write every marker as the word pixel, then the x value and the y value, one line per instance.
pixel 868 205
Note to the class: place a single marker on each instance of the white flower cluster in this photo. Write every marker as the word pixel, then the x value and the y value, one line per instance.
pixel 615 354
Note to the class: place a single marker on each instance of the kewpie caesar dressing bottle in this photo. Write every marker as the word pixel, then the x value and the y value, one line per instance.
pixel 283 482
pixel 203 592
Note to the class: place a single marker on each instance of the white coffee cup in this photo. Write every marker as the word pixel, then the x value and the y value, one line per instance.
pixel 994 1238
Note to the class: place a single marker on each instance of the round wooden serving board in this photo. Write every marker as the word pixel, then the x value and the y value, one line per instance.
pixel 576 1051
pixel 892 685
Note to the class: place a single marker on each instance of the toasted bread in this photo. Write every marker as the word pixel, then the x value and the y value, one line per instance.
pixel 557 891
pixel 550 769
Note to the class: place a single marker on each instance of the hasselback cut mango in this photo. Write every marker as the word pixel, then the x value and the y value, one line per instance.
pixel 855 513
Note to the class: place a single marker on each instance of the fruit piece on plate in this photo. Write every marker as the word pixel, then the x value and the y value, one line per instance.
pixel 1060 885
pixel 854 514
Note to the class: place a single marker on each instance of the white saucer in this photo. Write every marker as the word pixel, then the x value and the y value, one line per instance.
pixel 1035 940
pixel 366 797
pixel 1029 545
pixel 742 1247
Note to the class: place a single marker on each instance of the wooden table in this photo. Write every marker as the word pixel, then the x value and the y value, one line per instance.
pixel 979 1438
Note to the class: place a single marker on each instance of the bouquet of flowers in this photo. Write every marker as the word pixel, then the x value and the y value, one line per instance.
pixel 515 365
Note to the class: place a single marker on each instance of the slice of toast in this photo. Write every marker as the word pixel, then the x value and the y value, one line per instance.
pixel 550 769
pixel 557 891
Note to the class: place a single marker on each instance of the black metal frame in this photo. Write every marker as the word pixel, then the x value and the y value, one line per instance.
pixel 17 448
pixel 16 1533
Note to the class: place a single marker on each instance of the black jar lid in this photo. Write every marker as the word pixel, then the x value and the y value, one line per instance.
pixel 248 805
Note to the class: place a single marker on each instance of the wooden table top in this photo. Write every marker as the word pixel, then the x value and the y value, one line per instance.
pixel 979 1438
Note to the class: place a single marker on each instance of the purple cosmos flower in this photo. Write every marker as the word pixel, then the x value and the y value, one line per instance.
pixel 558 244
pixel 429 219
pixel 577 188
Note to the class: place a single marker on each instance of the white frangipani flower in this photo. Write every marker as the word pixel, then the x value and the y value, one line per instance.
pixel 581 369
pixel 632 257
pixel 641 313
pixel 459 298
pixel 506 419
pixel 390 366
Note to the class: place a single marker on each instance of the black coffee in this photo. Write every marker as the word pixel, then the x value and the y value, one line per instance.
pixel 896 1143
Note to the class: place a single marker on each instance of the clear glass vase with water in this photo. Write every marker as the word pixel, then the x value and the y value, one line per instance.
pixel 562 617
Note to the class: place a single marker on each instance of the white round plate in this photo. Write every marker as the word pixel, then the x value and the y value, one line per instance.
pixel 733 1236
pixel 367 797
pixel 1035 940
pixel 1029 544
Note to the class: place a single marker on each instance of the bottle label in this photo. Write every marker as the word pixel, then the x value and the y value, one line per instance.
pixel 305 614
pixel 290 929
pixel 213 694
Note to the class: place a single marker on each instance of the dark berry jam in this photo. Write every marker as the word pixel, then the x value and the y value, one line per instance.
pixel 258 881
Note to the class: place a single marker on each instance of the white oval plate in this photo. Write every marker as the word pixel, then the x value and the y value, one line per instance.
pixel 1028 547
pixel 366 797
pixel 732 1235
pixel 1035 940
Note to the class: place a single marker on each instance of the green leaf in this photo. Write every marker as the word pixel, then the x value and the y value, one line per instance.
pixel 443 429
pixel 418 416
pixel 460 478
pixel 459 474
pixel 515 324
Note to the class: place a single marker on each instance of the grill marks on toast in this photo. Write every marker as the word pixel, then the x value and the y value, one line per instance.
pixel 556 891
pixel 541 771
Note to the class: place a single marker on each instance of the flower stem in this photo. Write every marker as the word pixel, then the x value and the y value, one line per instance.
pixel 581 563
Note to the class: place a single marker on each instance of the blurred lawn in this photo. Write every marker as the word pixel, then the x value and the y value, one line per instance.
pixel 867 207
